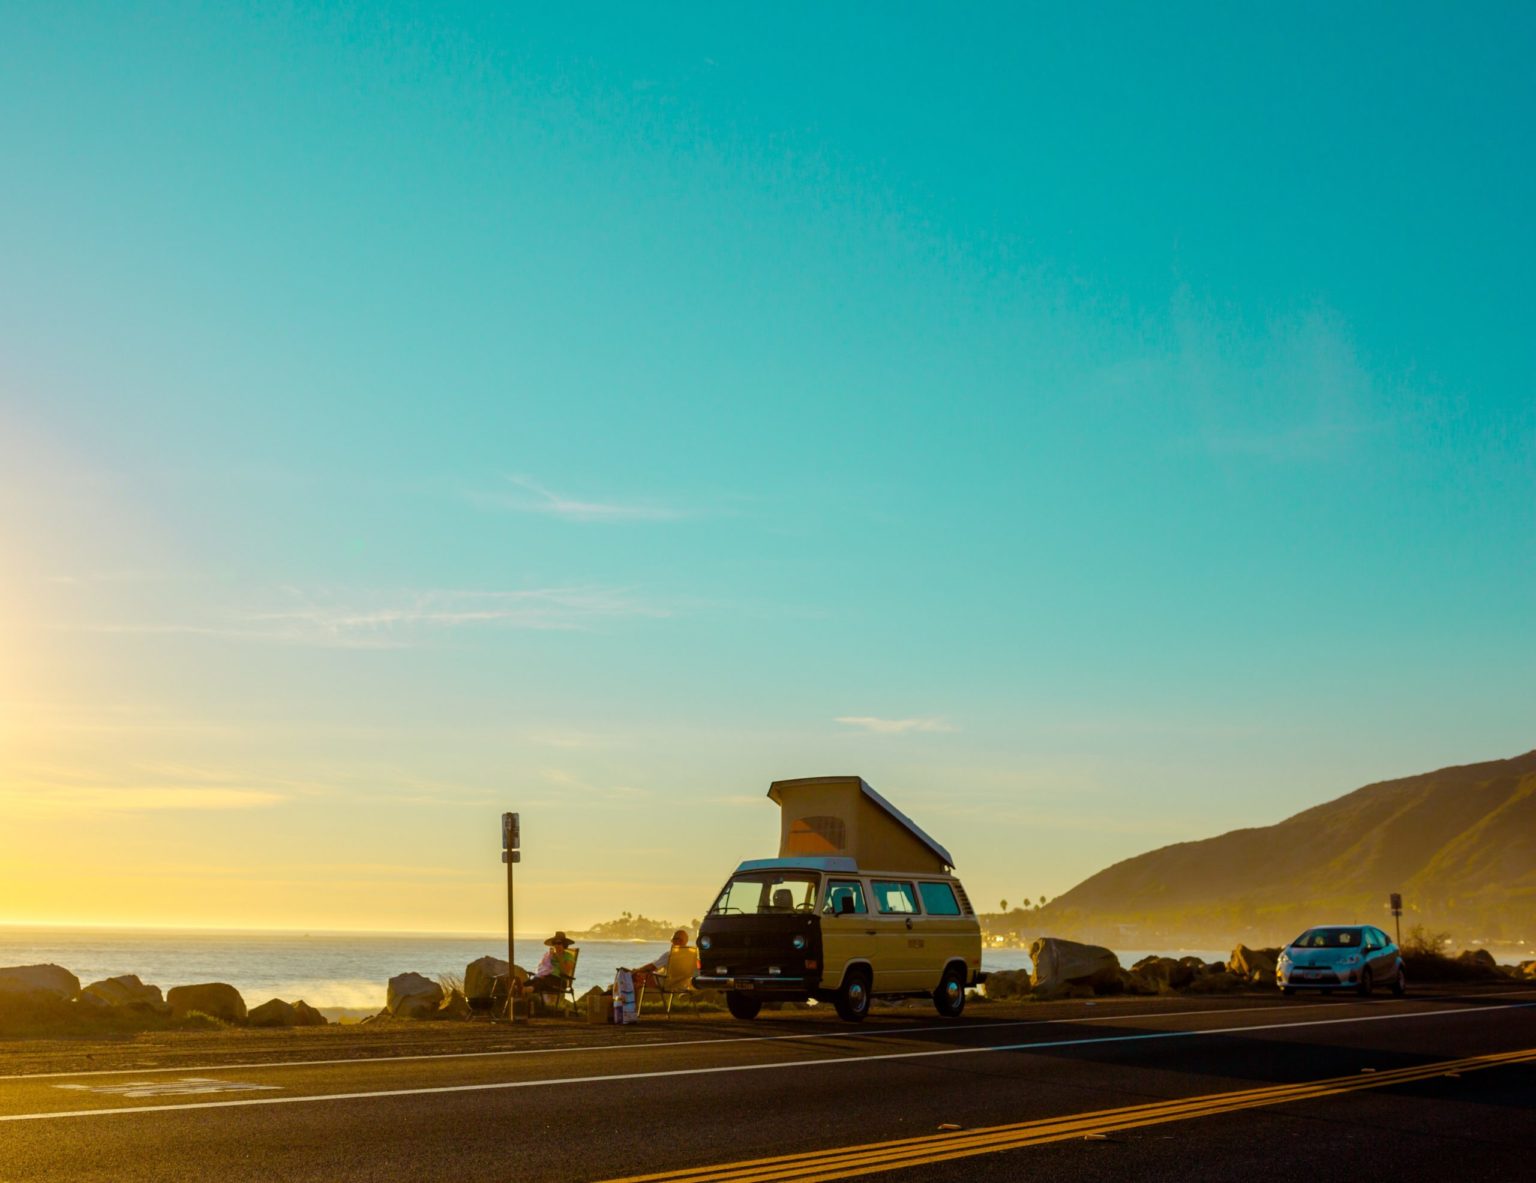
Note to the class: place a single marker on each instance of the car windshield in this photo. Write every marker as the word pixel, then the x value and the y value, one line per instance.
pixel 1328 938
pixel 766 892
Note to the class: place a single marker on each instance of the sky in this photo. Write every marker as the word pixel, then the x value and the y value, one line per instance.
pixel 1098 426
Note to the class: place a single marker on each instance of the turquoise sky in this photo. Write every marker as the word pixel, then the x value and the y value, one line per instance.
pixel 1097 426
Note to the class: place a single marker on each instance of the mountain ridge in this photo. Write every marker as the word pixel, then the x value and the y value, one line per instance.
pixel 1459 843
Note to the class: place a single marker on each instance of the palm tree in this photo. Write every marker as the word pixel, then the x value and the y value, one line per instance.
pixel 1002 905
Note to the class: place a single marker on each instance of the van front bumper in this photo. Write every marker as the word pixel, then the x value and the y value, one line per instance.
pixel 765 982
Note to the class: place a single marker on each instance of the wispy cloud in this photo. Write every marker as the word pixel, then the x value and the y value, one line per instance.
pixel 397 620
pixel 893 726
pixel 611 794
pixel 535 497
pixel 1297 393
pixel 84 799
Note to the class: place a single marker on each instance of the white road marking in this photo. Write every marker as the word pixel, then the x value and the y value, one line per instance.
pixel 777 1066
pixel 832 1033
pixel 185 1087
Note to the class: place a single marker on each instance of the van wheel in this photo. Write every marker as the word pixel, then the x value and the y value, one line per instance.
pixel 949 998
pixel 852 999
pixel 742 1006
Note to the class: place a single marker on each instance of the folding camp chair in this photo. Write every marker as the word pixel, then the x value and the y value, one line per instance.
pixel 677 978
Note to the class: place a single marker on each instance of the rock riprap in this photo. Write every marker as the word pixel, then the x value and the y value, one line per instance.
pixel 1066 967
pixel 274 1013
pixel 52 981
pixel 125 990
pixel 480 977
pixel 216 999
pixel 1253 965
pixel 412 996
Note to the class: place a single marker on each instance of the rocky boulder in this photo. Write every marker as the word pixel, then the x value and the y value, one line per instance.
pixel 1166 972
pixel 455 1006
pixel 125 990
pixel 50 980
pixel 412 996
pixel 1527 969
pixel 1254 965
pixel 1479 959
pixel 480 977
pixel 305 1015
pixel 1007 983
pixel 1066 968
pixel 274 1013
pixel 1218 982
pixel 218 1000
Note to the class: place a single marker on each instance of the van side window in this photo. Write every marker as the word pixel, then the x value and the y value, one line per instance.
pixel 840 890
pixel 894 899
pixel 938 899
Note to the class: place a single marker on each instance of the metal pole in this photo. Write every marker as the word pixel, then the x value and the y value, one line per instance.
pixel 511 948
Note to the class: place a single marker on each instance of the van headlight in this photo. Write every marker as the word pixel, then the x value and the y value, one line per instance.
pixel 705 942
pixel 798 942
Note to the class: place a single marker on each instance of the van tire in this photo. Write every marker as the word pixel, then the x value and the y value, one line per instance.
pixel 852 999
pixel 742 1006
pixel 949 998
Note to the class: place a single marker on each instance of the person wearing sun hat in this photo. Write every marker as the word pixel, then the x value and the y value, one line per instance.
pixel 557 964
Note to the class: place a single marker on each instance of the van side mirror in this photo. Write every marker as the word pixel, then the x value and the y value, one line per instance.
pixel 845 906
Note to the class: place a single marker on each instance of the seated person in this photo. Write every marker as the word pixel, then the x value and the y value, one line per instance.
pixel 656 971
pixel 555 967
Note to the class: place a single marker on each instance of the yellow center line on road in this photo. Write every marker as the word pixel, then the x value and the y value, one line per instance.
pixel 847 1161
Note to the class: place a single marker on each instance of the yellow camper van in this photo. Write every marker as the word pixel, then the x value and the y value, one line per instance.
pixel 859 904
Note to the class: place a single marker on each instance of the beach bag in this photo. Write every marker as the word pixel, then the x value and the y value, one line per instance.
pixel 624 1009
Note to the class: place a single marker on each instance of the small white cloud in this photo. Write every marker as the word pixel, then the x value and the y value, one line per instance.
pixel 536 498
pixel 893 726
pixel 137 799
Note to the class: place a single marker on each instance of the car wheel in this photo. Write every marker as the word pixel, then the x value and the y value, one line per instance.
pixel 852 999
pixel 742 1006
pixel 1366 984
pixel 1400 983
pixel 949 998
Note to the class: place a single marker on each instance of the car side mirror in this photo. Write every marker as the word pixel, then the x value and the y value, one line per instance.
pixel 845 906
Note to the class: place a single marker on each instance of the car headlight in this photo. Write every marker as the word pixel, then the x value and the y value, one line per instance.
pixel 798 942
pixel 705 942
pixel 1284 962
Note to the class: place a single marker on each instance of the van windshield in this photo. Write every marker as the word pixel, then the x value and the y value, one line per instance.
pixel 764 892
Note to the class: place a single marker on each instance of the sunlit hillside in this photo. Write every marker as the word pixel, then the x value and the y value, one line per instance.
pixel 1459 844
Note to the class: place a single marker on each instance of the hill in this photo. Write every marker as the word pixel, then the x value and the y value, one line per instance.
pixel 1459 844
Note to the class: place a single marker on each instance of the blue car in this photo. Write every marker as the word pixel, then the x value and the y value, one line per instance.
pixel 1341 956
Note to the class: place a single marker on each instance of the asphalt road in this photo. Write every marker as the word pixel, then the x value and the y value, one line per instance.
pixel 1438 1085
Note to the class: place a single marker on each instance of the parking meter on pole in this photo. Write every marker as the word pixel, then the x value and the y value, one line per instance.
pixel 1397 916
pixel 511 854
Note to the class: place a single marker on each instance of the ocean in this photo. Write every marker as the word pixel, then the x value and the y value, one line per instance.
pixel 338 972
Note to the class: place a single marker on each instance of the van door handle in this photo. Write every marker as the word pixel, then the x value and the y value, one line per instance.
pixel 909 924
pixel 869 932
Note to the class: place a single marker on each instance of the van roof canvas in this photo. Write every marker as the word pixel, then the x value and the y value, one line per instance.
pixel 841 815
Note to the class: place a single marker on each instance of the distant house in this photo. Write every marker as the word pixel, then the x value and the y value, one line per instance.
pixel 842 815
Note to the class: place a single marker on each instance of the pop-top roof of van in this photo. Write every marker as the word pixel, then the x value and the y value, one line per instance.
pixel 904 823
